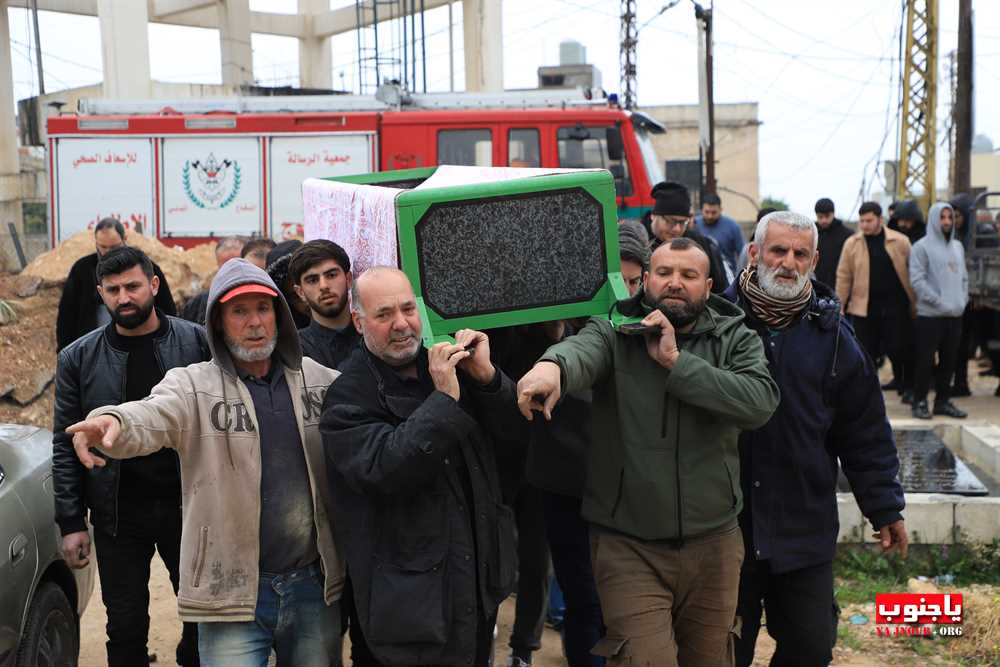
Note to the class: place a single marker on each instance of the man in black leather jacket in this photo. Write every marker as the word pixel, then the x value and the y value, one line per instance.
pixel 135 505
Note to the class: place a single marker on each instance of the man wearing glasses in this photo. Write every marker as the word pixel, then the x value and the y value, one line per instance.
pixel 671 218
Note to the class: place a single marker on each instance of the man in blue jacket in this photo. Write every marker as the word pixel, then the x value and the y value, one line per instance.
pixel 722 228
pixel 831 408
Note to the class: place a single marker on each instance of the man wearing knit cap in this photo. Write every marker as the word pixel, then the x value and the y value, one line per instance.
pixel 908 219
pixel 633 248
pixel 671 218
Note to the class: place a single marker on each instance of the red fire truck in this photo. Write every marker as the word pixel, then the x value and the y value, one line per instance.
pixel 189 170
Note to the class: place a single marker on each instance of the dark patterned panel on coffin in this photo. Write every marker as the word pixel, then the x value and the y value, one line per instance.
pixel 511 253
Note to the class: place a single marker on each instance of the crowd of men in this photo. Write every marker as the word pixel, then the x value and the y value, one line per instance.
pixel 306 469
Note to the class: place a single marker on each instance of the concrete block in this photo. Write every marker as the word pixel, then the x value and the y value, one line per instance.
pixel 977 519
pixel 908 424
pixel 981 444
pixel 852 524
pixel 930 517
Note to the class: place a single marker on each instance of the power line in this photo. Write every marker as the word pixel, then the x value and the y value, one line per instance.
pixel 27 56
pixel 812 38
pixel 803 59
pixel 47 54
pixel 31 62
pixel 800 57
pixel 862 190
pixel 842 120
pixel 856 57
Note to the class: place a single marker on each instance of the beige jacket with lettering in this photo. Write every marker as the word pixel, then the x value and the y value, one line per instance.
pixel 205 412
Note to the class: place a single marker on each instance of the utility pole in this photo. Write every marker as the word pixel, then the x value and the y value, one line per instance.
pixel 915 177
pixel 38 48
pixel 963 99
pixel 629 43
pixel 451 50
pixel 951 57
pixel 706 95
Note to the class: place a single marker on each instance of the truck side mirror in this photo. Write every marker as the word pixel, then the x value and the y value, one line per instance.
pixel 616 147
pixel 623 186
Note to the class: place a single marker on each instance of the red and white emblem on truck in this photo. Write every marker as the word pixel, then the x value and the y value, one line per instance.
pixel 215 184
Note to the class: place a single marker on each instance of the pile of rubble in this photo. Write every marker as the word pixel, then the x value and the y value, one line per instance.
pixel 30 302
pixel 186 270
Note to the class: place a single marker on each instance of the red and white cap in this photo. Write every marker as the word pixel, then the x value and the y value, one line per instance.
pixel 249 288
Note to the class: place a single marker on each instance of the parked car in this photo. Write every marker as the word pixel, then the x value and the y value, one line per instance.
pixel 41 599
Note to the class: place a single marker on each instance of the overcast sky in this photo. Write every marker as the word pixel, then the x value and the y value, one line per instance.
pixel 825 74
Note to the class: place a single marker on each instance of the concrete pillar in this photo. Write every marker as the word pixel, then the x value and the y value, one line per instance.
pixel 10 195
pixel 125 48
pixel 315 54
pixel 234 38
pixel 483 31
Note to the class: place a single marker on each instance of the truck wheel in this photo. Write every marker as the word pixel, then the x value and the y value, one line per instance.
pixel 51 636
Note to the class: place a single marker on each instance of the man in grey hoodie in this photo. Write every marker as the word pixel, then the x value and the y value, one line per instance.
pixel 259 567
pixel 941 285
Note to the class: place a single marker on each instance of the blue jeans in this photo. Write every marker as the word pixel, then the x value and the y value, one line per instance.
pixel 291 618
pixel 557 605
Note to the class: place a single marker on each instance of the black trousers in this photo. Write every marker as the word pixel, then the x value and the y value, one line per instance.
pixel 888 331
pixel 801 614
pixel 569 543
pixel 144 527
pixel 940 335
pixel 966 348
pixel 361 655
pixel 532 572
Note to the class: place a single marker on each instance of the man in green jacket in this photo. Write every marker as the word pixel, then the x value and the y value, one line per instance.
pixel 663 490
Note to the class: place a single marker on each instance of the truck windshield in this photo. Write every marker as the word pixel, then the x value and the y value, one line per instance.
pixel 654 168
pixel 587 148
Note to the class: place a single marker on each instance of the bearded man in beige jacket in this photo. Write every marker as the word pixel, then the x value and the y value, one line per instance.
pixel 873 285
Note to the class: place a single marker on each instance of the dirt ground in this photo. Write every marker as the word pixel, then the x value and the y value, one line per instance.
pixel 865 649
pixel 27 356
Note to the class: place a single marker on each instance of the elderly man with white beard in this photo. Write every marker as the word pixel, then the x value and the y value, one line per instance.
pixel 831 409
pixel 259 568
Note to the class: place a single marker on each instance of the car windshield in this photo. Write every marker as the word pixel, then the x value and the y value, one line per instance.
pixel 654 169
